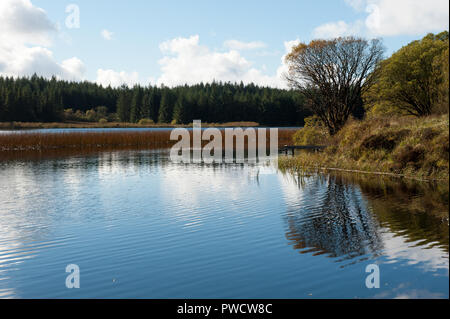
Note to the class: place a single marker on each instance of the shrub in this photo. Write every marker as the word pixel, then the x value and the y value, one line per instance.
pixel 103 121
pixel 386 140
pixel 146 122
pixel 408 155
pixel 314 133
pixel 313 121
pixel 91 115
pixel 311 136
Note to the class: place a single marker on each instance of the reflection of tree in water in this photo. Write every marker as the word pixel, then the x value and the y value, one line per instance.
pixel 417 211
pixel 342 214
pixel 333 219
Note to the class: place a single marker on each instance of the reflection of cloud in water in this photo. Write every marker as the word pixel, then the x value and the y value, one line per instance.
pixel 397 248
pixel 404 291
pixel 194 193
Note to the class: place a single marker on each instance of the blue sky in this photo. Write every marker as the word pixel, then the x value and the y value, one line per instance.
pixel 190 41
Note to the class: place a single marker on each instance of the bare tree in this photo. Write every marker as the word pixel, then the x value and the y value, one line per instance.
pixel 333 74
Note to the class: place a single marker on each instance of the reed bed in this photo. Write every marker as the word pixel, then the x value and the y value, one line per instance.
pixel 17 143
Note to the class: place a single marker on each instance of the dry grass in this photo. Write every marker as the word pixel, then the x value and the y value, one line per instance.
pixel 406 146
pixel 17 144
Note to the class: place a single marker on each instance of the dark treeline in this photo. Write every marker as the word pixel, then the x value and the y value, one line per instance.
pixel 37 99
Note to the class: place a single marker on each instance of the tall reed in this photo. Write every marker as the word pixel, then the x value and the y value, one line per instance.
pixel 43 142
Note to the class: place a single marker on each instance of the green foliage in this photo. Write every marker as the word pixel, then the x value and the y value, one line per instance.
pixel 146 122
pixel 166 106
pixel 313 133
pixel 414 80
pixel 313 121
pixel 440 64
pixel 36 99
pixel 136 104
pixel 101 112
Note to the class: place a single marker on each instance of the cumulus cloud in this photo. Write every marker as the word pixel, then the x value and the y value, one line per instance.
pixel 25 34
pixel 186 61
pixel 412 17
pixel 240 46
pixel 25 61
pixel 283 68
pixel 337 29
pixel 115 79
pixel 390 18
pixel 107 35
pixel 21 22
pixel 74 68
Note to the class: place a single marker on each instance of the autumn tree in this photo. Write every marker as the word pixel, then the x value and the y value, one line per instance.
pixel 414 80
pixel 442 68
pixel 333 75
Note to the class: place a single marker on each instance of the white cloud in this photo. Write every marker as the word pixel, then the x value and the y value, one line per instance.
pixel 115 79
pixel 107 35
pixel 390 18
pixel 283 68
pixel 356 4
pixel 21 22
pixel 21 25
pixel 74 68
pixel 240 46
pixel 25 61
pixel 188 62
pixel 412 17
pixel 337 29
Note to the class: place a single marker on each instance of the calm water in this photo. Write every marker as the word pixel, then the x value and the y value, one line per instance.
pixel 140 226
pixel 104 130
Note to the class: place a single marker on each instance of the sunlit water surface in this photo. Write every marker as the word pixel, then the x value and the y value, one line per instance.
pixel 139 226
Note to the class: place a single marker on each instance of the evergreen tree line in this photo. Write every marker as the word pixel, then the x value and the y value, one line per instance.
pixel 37 99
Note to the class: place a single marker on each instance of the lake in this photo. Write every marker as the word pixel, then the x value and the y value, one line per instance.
pixel 140 226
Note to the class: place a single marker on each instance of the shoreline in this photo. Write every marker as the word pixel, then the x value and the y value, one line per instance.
pixel 315 169
pixel 404 147
pixel 18 126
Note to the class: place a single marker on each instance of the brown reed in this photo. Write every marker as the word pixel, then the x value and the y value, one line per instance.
pixel 21 142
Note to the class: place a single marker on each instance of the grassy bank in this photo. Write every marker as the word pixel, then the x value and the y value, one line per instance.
pixel 402 146
pixel 35 125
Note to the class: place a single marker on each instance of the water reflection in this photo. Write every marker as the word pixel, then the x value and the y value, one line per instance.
pixel 166 230
pixel 348 216
pixel 333 220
